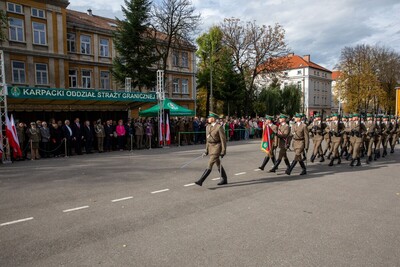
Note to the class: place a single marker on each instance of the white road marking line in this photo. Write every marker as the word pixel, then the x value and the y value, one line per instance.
pixel 121 199
pixel 216 179
pixel 17 221
pixel 74 209
pixel 257 170
pixel 189 184
pixel 160 191
pixel 240 173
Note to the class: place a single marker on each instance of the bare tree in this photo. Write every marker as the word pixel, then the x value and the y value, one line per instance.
pixel 174 25
pixel 254 50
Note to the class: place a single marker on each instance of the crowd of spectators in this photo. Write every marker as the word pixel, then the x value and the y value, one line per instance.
pixel 43 139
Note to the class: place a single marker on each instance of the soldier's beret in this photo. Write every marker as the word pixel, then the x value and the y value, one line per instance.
pixel 334 115
pixel 213 115
pixel 369 115
pixel 298 115
pixel 283 116
pixel 268 117
pixel 385 116
pixel 317 115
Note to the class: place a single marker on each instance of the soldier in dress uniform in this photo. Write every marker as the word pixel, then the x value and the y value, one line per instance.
pixel 300 137
pixel 394 133
pixel 327 137
pixel 369 137
pixel 317 128
pixel 350 137
pixel 335 130
pixel 271 154
pixel 357 132
pixel 215 147
pixel 346 137
pixel 283 134
pixel 378 136
pixel 386 133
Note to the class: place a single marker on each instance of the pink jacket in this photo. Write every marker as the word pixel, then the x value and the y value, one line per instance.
pixel 120 130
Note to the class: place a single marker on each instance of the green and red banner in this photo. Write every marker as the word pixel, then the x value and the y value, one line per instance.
pixel 267 139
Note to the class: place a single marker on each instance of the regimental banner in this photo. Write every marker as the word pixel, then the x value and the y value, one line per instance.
pixel 397 101
pixel 78 94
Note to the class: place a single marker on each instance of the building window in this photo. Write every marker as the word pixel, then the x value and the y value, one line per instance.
pixel 14 8
pixel 105 79
pixel 286 73
pixel 185 86
pixel 299 84
pixel 73 79
pixel 86 79
pixel 175 85
pixel 16 29
pixel 185 59
pixel 39 33
pixel 38 13
pixel 104 48
pixel 85 44
pixel 18 72
pixel 314 100
pixel 175 58
pixel 153 89
pixel 71 42
pixel 299 72
pixel 41 74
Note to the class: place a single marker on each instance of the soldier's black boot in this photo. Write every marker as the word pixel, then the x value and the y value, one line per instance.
pixel 266 159
pixel 348 156
pixel 287 163
pixel 303 166
pixel 273 160
pixel 384 154
pixel 352 162
pixel 339 161
pixel 224 179
pixel 275 166
pixel 368 159
pixel 313 158
pixel 378 154
pixel 358 162
pixel 329 155
pixel 203 177
pixel 322 159
pixel 391 149
pixel 375 155
pixel 331 163
pixel 290 169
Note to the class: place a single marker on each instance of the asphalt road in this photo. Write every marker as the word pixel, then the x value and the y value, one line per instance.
pixel 141 209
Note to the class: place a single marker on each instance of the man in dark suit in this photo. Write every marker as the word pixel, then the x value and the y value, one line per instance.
pixel 109 130
pixel 88 137
pixel 68 136
pixel 77 132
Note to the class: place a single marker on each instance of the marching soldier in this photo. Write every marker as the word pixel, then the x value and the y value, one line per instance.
pixel 271 154
pixel 378 136
pixel 327 137
pixel 335 130
pixel 300 137
pixel 215 147
pixel 357 131
pixel 386 133
pixel 283 142
pixel 394 132
pixel 369 137
pixel 317 128
pixel 346 137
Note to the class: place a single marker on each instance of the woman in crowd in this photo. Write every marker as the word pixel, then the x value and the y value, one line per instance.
pixel 121 132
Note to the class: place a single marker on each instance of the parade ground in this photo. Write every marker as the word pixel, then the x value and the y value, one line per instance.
pixel 141 208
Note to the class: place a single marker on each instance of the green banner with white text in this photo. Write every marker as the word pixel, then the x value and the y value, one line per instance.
pixel 79 94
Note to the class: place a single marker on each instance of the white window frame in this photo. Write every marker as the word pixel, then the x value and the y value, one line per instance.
pixel 175 59
pixel 73 78
pixel 39 36
pixel 105 81
pixel 71 41
pixel 18 29
pixel 185 59
pixel 86 80
pixel 20 72
pixel 175 86
pixel 104 48
pixel 14 7
pixel 44 75
pixel 85 46
pixel 38 11
pixel 185 86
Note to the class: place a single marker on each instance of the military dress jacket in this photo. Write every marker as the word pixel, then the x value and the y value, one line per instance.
pixel 317 130
pixel 370 128
pixel 336 130
pixel 283 135
pixel 300 136
pixel 216 140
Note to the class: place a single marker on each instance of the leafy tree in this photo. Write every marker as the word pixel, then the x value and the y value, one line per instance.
pixel 135 46
pixel 291 100
pixel 3 26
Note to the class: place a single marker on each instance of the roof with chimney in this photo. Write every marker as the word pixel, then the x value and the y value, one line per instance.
pixel 292 61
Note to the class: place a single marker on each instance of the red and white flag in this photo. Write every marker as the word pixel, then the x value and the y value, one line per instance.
pixel 168 134
pixel 1 148
pixel 12 136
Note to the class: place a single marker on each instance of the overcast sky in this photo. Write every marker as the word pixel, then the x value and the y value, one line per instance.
pixel 319 28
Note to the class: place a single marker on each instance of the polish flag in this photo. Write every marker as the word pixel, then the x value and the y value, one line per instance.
pixel 12 136
pixel 168 134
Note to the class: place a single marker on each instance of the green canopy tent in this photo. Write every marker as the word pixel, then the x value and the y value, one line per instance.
pixel 174 110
